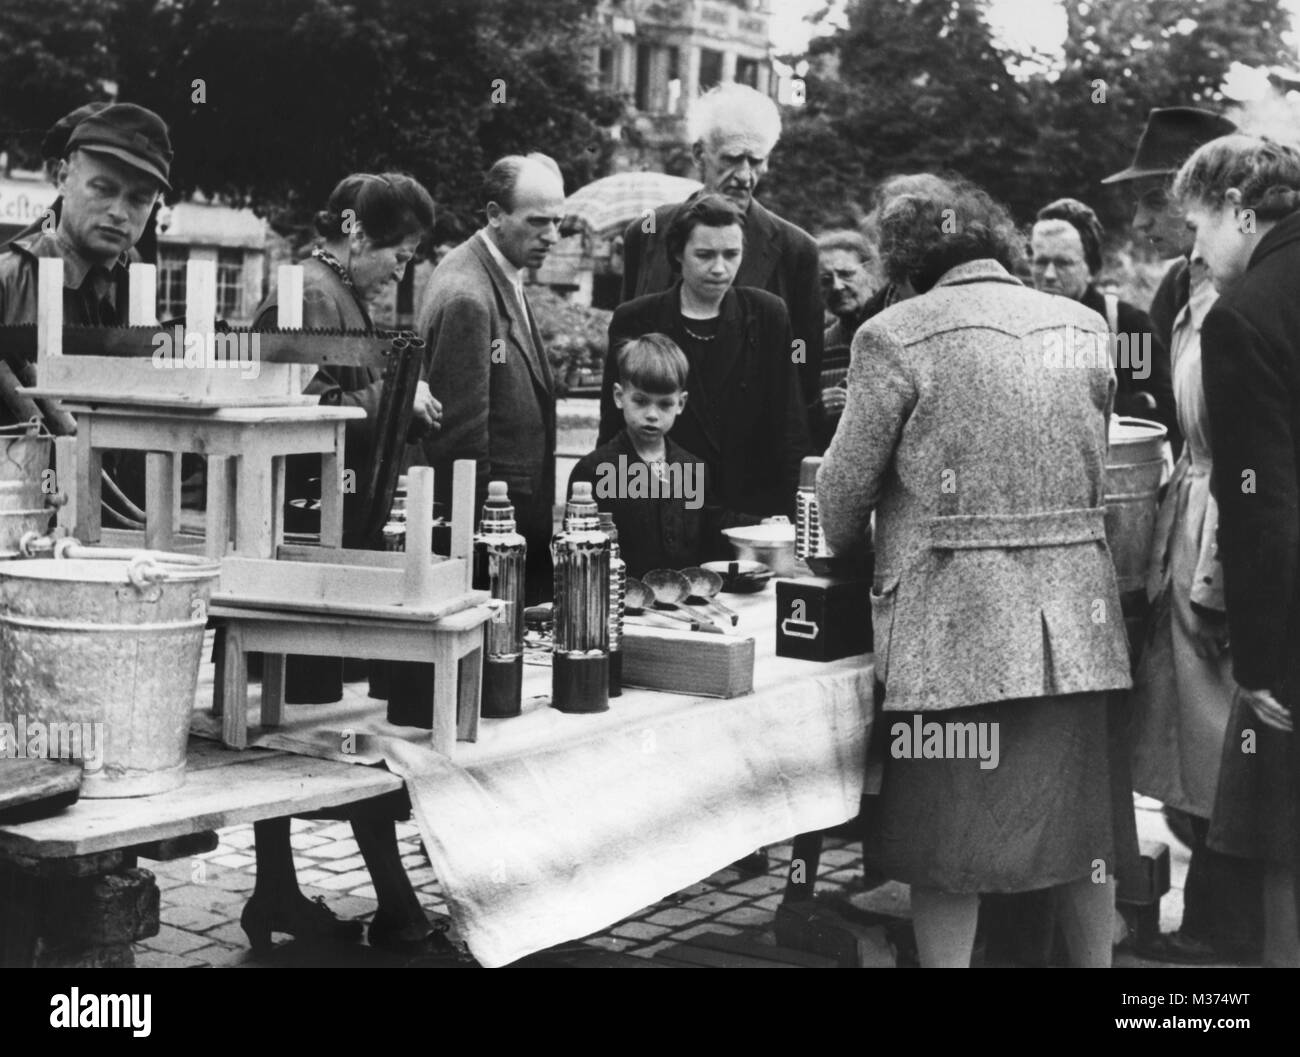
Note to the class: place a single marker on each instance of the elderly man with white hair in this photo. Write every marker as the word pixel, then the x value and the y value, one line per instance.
pixel 733 129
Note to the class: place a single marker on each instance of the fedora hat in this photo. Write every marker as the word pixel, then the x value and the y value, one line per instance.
pixel 1170 138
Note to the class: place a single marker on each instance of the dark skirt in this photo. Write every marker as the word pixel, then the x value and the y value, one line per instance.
pixel 1040 817
pixel 1255 813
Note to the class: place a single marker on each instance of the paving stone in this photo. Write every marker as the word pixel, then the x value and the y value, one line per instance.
pixel 336 849
pixel 639 930
pixel 240 836
pixel 302 841
pixel 234 860
pixel 228 935
pixel 423 876
pixel 708 926
pixel 365 891
pixel 746 915
pixel 170 880
pixel 342 882
pixel 192 919
pixel 352 862
pixel 652 949
pixel 206 897
pixel 171 940
pixel 769 903
pixel 674 917
pixel 147 959
pixel 837 858
pixel 233 880
pixel 351 907
pixel 714 902
pixel 330 830
pixel 757 886
pixel 306 862
pixel 609 943
pixel 313 875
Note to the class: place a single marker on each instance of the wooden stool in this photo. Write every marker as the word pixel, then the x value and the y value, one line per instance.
pixel 444 642
pixel 246 449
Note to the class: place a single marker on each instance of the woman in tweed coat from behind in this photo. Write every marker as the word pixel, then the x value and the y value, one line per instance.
pixel 976 430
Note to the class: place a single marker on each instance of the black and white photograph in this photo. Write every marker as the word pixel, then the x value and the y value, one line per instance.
pixel 651 484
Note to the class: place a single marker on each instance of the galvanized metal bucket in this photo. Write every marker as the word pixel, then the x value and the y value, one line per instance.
pixel 25 499
pixel 1134 468
pixel 100 652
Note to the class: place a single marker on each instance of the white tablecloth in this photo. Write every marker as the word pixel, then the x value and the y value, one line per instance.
pixel 554 826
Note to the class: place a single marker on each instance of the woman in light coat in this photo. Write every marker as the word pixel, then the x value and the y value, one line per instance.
pixel 976 431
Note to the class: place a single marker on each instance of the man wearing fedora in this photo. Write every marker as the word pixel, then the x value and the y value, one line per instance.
pixel 1182 695
pixel 114 167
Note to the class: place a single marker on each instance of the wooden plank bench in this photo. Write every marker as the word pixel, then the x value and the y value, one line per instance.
pixel 70 891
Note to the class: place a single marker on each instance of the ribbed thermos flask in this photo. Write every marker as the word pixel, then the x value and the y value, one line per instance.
pixel 580 663
pixel 809 541
pixel 617 589
pixel 499 556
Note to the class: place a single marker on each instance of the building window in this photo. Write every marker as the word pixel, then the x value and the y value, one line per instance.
pixel 747 72
pixel 607 68
pixel 230 284
pixel 710 68
pixel 644 57
pixel 171 282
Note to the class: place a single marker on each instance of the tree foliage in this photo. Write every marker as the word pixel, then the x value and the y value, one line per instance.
pixel 271 102
pixel 921 85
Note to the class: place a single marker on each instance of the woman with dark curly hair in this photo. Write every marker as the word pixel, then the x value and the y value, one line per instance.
pixel 1241 194
pixel 976 431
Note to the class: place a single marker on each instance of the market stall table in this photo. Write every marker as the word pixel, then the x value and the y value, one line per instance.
pixel 553 826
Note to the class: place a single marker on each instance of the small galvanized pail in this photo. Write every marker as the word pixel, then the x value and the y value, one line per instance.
pixel 1134 469
pixel 25 500
pixel 99 653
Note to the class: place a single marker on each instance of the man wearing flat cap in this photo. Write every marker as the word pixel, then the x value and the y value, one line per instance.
pixel 1183 690
pixel 114 167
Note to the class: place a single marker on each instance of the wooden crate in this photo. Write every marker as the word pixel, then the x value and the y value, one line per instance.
pixel 414 583
pixel 688 662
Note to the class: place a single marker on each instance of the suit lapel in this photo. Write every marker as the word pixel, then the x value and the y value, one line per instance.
pixel 762 248
pixel 523 335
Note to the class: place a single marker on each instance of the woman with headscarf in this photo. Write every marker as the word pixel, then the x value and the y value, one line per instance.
pixel 980 446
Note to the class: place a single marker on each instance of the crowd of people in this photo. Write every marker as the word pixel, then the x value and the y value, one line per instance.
pixel 909 352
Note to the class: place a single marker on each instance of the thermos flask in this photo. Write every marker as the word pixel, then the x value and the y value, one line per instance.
pixel 617 589
pixel 499 556
pixel 809 541
pixel 580 661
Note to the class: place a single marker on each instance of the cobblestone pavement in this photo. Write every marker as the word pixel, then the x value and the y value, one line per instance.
pixel 202 898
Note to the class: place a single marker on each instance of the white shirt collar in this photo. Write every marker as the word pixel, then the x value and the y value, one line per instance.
pixel 515 275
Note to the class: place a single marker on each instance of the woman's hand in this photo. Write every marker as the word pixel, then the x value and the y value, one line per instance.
pixel 1268 709
pixel 428 411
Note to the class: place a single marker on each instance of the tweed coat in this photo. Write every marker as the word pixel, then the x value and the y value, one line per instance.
pixel 984 463
pixel 487 365
pixel 779 257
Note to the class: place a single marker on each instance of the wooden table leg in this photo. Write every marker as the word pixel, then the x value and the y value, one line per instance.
pixel 234 704
pixel 272 689
pixel 446 684
pixel 469 700
pixel 90 465
pixel 161 500
pixel 254 517
pixel 220 503
pixel 331 496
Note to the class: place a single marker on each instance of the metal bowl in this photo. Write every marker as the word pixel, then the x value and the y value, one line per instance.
pixel 740 577
pixel 772 545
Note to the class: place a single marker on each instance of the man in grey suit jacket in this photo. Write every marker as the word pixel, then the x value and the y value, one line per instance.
pixel 733 130
pixel 486 360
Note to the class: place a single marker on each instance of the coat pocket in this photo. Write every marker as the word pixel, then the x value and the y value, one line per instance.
pixel 883 599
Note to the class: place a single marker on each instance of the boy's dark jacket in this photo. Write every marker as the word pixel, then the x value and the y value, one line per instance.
pixel 655 533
